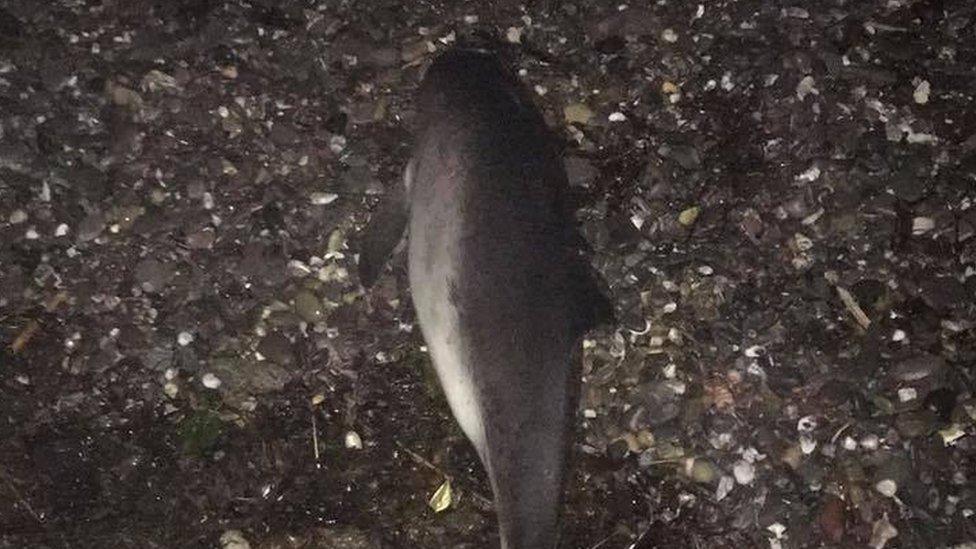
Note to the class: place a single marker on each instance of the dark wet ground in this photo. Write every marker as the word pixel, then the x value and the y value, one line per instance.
pixel 783 191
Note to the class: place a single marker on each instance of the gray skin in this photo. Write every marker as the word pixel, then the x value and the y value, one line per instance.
pixel 502 291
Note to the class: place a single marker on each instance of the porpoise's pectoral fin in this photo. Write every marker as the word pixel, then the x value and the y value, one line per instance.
pixel 593 306
pixel 385 231
pixel 596 307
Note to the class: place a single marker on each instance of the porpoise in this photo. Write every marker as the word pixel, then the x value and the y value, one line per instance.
pixel 502 288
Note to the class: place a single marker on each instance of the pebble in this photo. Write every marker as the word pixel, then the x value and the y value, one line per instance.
pixel 918 367
pixel 233 539
pixel 898 335
pixel 61 230
pixel 886 488
pixel 577 113
pixel 807 445
pixel 171 389
pixel 922 225
pixel 744 472
pixel 812 174
pixel 322 198
pixel 725 486
pixel 353 441
pixel 513 35
pixel 668 35
pixel 90 227
pixel 870 442
pixel 921 93
pixel 17 216
pixel 700 470
pixel 617 117
pixel 309 307
pixel 184 339
pixel 210 381
pixel 806 424
pixel 806 87
pixel 906 394
pixel 31 234
pixel 201 240
pixel 882 532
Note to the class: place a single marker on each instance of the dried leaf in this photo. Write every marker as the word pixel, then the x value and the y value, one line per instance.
pixel 882 533
pixel 441 500
pixel 832 519
pixel 719 395
pixel 688 216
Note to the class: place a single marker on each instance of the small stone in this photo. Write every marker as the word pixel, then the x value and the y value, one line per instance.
pixel 668 35
pixel 201 240
pixel 918 367
pixel 309 307
pixel 233 539
pixel 725 486
pixel 701 471
pixel 915 423
pixel 61 230
pixel 906 394
pixel 210 381
pixel 795 12
pixel 90 227
pixel 870 442
pixel 617 117
pixel 577 113
pixel 744 472
pixel 806 424
pixel 184 339
pixel 898 335
pixel 886 488
pixel 922 225
pixel 802 242
pixel 812 174
pixel 337 143
pixel 171 389
pixel 806 87
pixel 17 217
pixel 31 234
pixel 921 93
pixel 513 35
pixel 850 444
pixel 353 441
pixel 229 72
pixel 807 445
pixel 322 198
